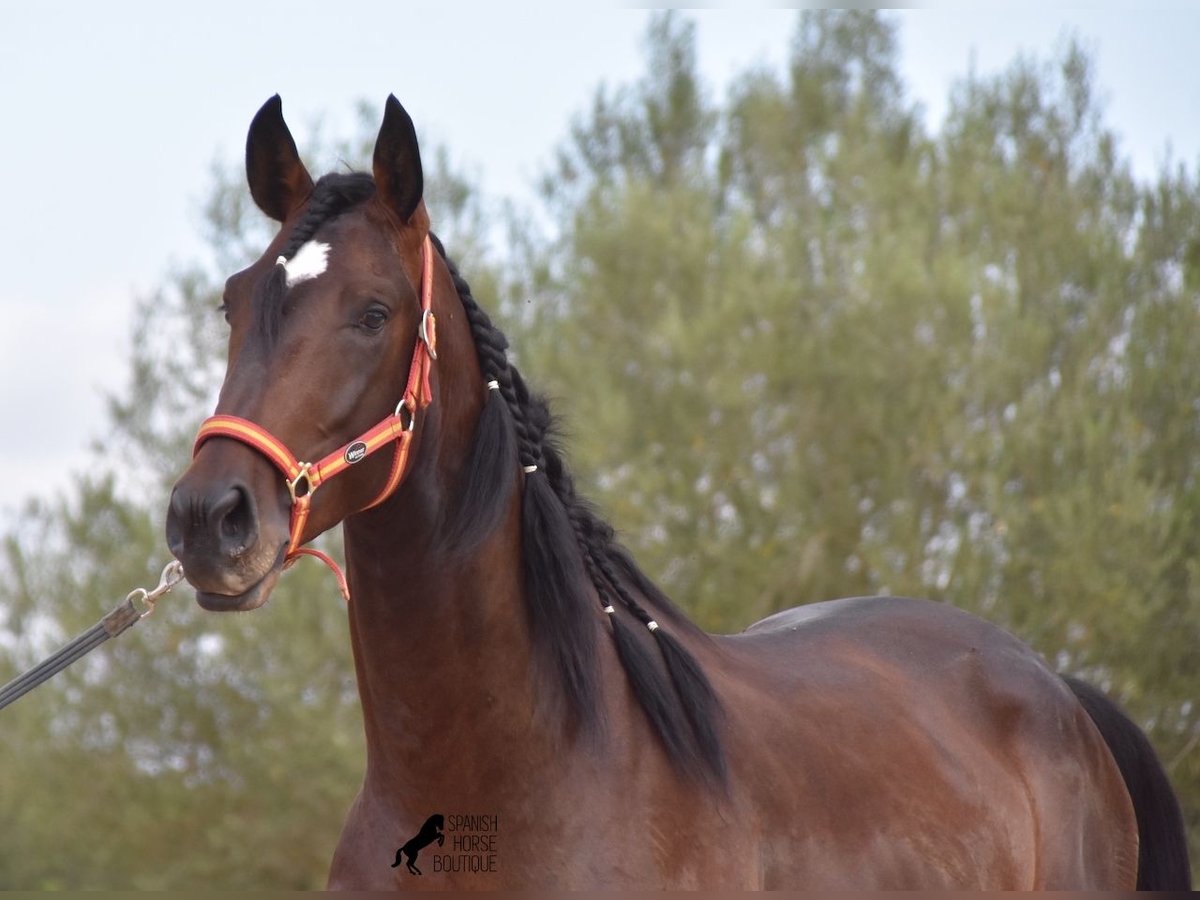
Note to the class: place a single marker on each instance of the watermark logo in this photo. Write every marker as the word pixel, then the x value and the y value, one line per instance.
pixel 473 845
pixel 431 831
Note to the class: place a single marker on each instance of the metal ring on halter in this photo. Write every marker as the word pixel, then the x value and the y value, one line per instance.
pixel 423 332
pixel 412 416
pixel 294 483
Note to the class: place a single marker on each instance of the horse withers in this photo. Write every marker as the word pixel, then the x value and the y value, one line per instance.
pixel 520 674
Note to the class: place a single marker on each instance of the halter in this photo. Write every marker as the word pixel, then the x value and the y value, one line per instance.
pixel 303 478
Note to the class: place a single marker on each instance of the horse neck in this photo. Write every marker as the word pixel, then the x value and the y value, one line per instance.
pixel 441 646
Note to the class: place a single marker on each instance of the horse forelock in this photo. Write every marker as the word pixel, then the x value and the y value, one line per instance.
pixel 333 195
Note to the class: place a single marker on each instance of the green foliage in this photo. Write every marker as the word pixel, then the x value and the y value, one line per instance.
pixel 805 349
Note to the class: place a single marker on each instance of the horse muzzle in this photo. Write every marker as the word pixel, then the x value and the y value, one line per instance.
pixel 231 553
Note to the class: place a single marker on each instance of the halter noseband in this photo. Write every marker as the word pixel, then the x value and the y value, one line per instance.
pixel 304 478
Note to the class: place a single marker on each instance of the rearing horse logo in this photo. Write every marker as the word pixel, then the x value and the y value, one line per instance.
pixel 431 831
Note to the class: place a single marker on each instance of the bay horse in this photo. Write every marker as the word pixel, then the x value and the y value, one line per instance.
pixel 513 661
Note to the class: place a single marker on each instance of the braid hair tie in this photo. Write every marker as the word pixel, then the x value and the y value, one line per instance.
pixel 529 470
pixel 493 385
pixel 281 261
pixel 652 625
pixel 609 609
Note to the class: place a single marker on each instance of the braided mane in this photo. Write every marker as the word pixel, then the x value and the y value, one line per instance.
pixel 571 559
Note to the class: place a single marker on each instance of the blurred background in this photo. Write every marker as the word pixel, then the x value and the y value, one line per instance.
pixel 832 303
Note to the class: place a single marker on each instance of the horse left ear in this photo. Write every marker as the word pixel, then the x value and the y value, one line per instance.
pixel 397 163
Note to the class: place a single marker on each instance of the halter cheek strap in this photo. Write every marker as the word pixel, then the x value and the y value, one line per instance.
pixel 303 478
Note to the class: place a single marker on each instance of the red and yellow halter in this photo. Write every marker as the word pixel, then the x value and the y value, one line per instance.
pixel 303 478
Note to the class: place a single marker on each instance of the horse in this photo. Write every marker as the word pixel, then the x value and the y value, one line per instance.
pixel 431 831
pixel 513 660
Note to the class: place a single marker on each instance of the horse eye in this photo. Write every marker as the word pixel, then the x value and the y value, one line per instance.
pixel 373 319
pixel 223 309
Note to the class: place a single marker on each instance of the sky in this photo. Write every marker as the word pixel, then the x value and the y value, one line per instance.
pixel 112 115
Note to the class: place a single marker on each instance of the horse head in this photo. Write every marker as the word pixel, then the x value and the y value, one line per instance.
pixel 331 347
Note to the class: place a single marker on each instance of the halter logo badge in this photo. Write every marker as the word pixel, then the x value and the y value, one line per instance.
pixel 473 844
pixel 355 452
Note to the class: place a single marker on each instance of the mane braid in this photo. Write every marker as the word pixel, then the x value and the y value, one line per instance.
pixel 566 546
pixel 490 471
pixel 650 687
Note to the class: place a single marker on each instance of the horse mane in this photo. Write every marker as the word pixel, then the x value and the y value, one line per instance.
pixel 568 547
pixel 571 558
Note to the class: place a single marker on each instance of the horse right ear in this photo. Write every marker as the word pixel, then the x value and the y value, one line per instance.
pixel 278 180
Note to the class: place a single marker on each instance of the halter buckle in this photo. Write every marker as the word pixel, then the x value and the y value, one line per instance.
pixel 293 485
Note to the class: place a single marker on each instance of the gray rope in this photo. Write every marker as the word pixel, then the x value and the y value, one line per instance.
pixel 119 620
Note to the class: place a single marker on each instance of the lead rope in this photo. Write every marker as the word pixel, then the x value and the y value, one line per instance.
pixel 120 620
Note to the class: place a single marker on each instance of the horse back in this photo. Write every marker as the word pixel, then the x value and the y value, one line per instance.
pixel 908 742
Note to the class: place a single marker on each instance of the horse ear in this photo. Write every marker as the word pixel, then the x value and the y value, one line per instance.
pixel 278 180
pixel 397 164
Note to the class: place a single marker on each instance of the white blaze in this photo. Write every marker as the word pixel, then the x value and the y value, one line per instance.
pixel 310 261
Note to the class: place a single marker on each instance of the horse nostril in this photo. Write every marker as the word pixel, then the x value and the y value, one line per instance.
pixel 232 517
pixel 214 523
pixel 176 521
